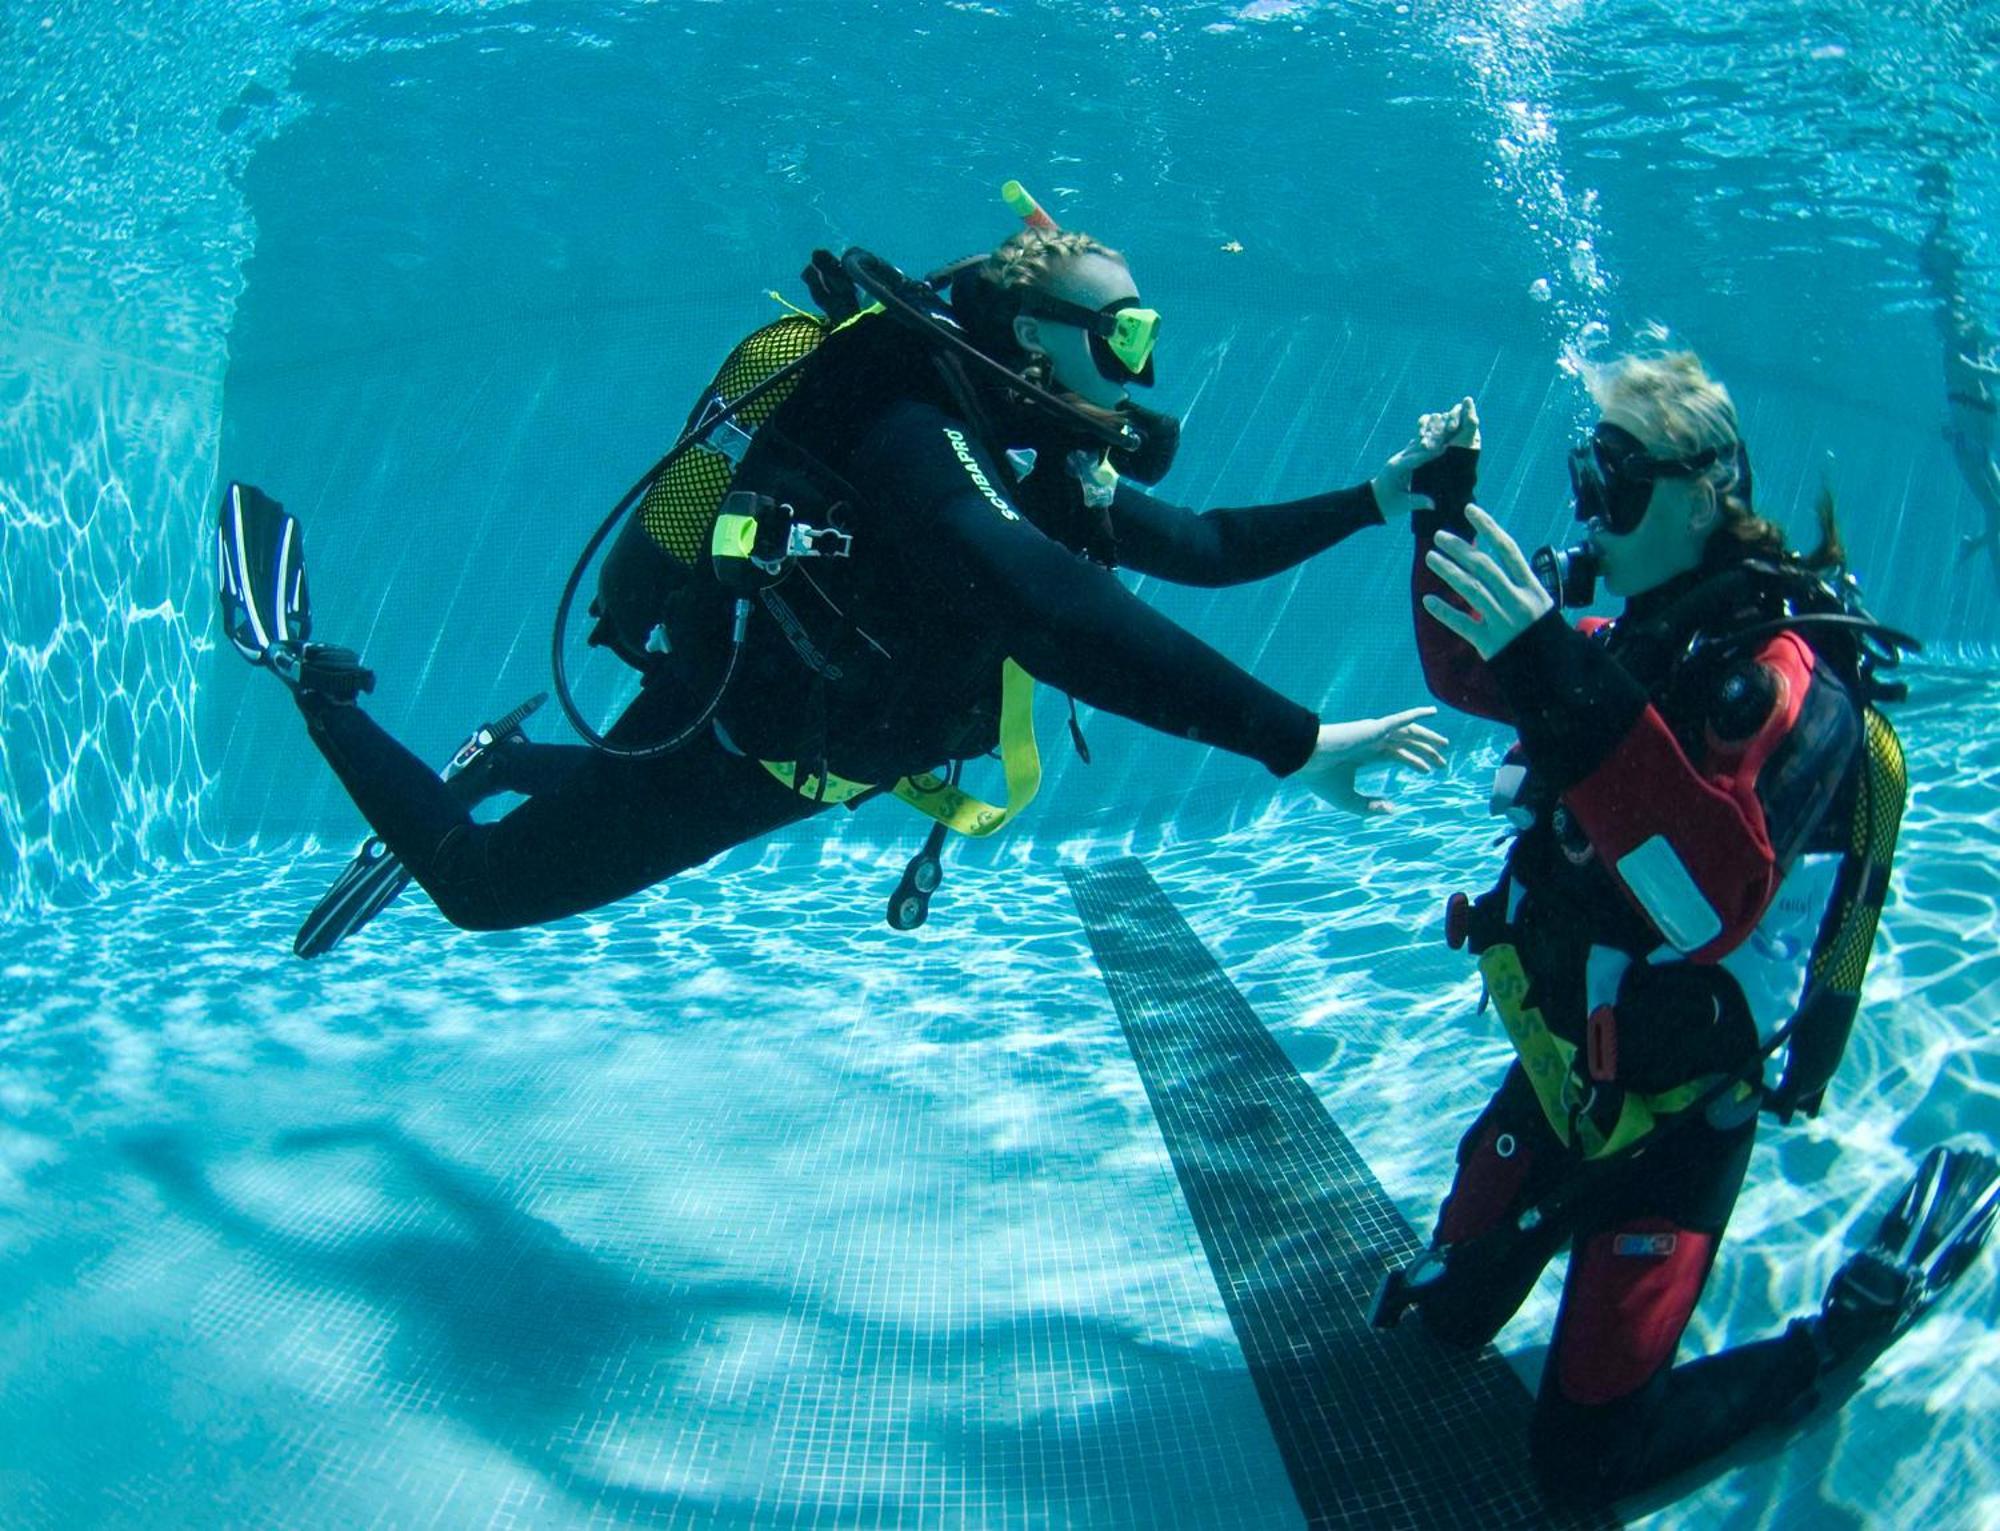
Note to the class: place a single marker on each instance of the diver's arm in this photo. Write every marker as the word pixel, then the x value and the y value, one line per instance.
pixel 1233 546
pixel 1066 621
pixel 1453 670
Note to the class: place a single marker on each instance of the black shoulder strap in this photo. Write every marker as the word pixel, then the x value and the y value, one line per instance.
pixel 831 287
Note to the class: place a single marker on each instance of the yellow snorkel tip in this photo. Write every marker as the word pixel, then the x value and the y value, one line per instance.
pixel 1026 208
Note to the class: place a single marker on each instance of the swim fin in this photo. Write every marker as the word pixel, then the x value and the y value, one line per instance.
pixel 374 878
pixel 260 578
pixel 1928 1239
pixel 260 573
pixel 370 883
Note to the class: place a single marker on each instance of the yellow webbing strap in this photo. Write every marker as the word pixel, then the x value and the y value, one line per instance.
pixel 1020 763
pixel 855 318
pixel 1548 1061
pixel 787 304
pixel 1841 962
pixel 933 796
pixel 830 789
pixel 1545 1057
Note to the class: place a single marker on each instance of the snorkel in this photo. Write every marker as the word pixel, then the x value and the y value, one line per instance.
pixel 1026 208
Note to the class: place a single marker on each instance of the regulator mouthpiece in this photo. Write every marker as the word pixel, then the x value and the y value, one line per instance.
pixel 1568 574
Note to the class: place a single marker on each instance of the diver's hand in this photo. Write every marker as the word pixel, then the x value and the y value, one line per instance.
pixel 1345 748
pixel 1454 427
pixel 1493 579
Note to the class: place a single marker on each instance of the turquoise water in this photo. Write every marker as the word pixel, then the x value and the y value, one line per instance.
pixel 727 1205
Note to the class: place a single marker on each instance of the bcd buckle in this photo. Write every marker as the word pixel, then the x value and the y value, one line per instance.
pixel 1600 1044
pixel 1457 921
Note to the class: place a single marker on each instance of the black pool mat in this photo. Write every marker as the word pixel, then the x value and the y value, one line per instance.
pixel 1376 1429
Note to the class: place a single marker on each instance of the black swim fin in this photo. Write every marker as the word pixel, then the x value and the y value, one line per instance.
pixel 374 878
pixel 260 573
pixel 260 582
pixel 1928 1239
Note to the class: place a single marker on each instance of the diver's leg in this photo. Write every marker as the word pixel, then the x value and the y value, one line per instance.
pixel 404 801
pixel 607 829
pixel 518 765
pixel 1614 1415
pixel 595 829
pixel 1506 1163
pixel 611 828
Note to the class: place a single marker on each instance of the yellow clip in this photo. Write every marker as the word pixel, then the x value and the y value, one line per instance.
pixel 784 302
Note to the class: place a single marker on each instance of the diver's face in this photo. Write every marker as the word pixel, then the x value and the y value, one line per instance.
pixel 1668 539
pixel 1093 282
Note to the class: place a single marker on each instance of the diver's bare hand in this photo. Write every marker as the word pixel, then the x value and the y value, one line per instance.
pixel 1345 748
pixel 1503 599
pixel 1454 427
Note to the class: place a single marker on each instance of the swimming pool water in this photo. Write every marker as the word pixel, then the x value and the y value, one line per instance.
pixel 728 1205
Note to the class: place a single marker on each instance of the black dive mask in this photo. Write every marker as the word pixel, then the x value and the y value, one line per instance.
pixel 1612 476
pixel 1159 441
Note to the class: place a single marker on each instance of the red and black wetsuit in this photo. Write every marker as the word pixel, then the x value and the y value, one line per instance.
pixel 1667 799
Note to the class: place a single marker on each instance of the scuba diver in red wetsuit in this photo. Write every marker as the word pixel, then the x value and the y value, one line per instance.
pixel 1706 803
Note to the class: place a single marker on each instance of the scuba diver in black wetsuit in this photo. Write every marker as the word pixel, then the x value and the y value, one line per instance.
pixel 1971 370
pixel 924 507
pixel 1706 804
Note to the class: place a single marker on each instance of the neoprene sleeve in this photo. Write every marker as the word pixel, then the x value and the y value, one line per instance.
pixel 1233 546
pixel 1453 670
pixel 1068 622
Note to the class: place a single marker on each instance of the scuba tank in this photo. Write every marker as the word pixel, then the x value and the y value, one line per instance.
pixel 659 550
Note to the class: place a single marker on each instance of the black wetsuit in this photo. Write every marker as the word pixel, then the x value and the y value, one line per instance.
pixel 954 568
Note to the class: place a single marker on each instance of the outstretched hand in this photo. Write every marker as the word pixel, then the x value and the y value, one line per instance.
pixel 1346 748
pixel 1454 427
pixel 1493 579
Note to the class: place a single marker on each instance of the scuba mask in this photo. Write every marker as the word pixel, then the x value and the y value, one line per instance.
pixel 1612 476
pixel 1121 333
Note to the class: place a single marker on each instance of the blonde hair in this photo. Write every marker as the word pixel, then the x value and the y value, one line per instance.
pixel 1030 257
pixel 1668 400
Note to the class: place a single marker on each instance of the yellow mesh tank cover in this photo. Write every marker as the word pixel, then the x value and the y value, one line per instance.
pixel 678 512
